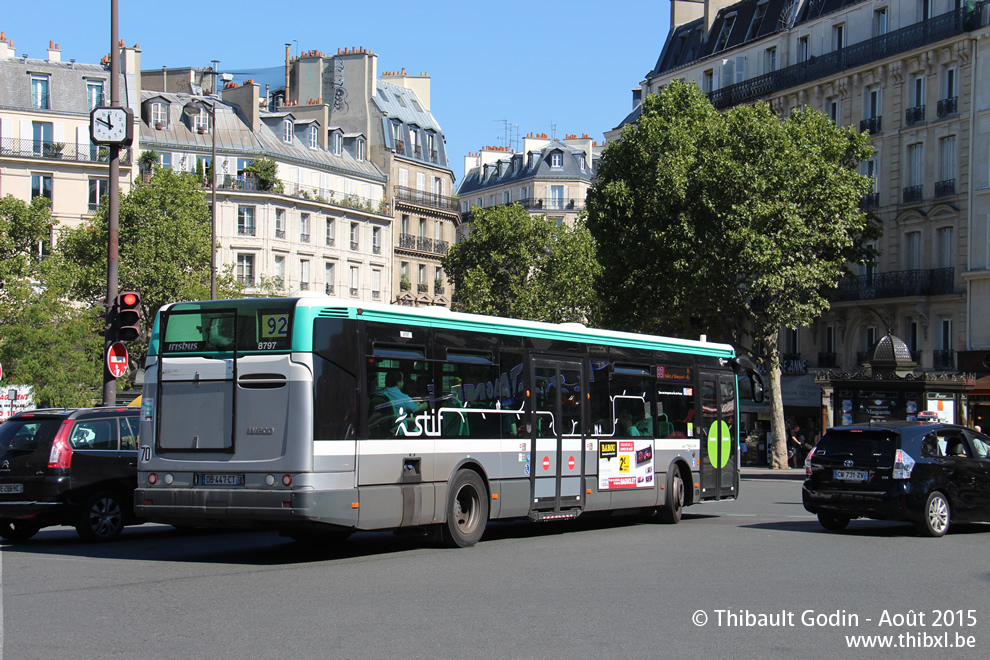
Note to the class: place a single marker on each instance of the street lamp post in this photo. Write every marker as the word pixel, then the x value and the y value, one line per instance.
pixel 193 109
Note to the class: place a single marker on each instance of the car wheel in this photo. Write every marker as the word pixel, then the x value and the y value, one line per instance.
pixel 467 510
pixel 18 530
pixel 673 505
pixel 833 521
pixel 938 515
pixel 102 519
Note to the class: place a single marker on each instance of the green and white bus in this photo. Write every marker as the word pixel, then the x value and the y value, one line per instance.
pixel 317 416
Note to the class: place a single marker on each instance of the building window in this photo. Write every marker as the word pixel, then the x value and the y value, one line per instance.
pixel 243 164
pixel 376 284
pixel 314 137
pixel 280 270
pixel 329 279
pixel 723 36
pixel 880 22
pixel 915 165
pixel 304 274
pixel 556 159
pixel 770 60
pixel 838 36
pixel 304 227
pixel 287 131
pixel 360 149
pixel 556 197
pixel 803 51
pixel 830 338
pixel 945 247
pixel 98 189
pixel 422 227
pixel 832 109
pixel 944 329
pixel 912 251
pixel 405 223
pixel 331 232
pixel 159 115
pixel 754 26
pixel 41 131
pixel 39 93
pixel 355 280
pixel 41 186
pixel 94 93
pixel 376 240
pixel 245 221
pixel 708 81
pixel 245 269
pixel 948 104
pixel 201 122
pixel 413 141
pixel 872 96
pixel 279 223
pixel 524 193
pixel 422 277
pixel 337 143
pixel 165 159
pixel 355 234
pixel 946 183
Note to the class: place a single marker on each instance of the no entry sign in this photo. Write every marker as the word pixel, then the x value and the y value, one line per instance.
pixel 117 359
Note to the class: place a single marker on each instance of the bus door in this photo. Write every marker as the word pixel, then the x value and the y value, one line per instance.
pixel 719 445
pixel 557 434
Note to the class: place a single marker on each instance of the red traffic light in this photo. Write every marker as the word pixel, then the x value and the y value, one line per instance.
pixel 129 299
pixel 128 317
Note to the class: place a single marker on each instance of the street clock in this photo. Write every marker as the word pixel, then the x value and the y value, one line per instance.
pixel 111 125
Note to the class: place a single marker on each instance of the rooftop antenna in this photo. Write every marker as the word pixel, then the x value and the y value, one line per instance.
pixel 553 131
pixel 508 140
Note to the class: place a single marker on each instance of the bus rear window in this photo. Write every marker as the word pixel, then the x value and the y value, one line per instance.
pixel 222 330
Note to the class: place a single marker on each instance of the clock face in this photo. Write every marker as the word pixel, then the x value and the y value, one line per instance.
pixel 110 125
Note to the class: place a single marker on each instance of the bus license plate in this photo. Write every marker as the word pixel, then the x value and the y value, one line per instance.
pixel 11 488
pixel 222 479
pixel 851 475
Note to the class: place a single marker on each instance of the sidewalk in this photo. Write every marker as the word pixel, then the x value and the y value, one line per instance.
pixel 764 472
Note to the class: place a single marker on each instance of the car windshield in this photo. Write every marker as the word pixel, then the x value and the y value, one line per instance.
pixel 24 435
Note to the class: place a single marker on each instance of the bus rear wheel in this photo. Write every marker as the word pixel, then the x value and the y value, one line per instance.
pixel 467 510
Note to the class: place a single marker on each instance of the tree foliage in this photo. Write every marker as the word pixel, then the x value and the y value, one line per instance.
pixel 164 248
pixel 522 266
pixel 733 224
pixel 45 341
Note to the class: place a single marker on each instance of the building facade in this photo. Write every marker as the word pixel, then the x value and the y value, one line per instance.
pixel 45 147
pixel 405 140
pixel 325 224
pixel 548 177
pixel 908 73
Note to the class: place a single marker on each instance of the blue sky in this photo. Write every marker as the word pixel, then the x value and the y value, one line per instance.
pixel 544 66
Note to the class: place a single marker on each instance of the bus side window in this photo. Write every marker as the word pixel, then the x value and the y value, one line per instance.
pixel 675 411
pixel 398 391
pixel 468 391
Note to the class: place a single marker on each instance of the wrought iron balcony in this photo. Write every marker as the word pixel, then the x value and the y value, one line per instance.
pixel 918 35
pixel 304 238
pixel 551 203
pixel 871 124
pixel 86 153
pixel 280 233
pixel 423 244
pixel 376 249
pixel 328 289
pixel 304 286
pixel 913 194
pixel 424 198
pixel 330 241
pixel 828 360
pixel 944 359
pixel 245 230
pixel 945 188
pixel 354 246
pixel 897 284
pixel 914 115
pixel 870 201
pixel 422 288
pixel 948 106
pixel 353 291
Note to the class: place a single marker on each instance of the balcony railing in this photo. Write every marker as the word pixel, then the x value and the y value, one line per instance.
pixel 871 124
pixel 279 233
pixel 422 288
pixel 245 230
pixel 312 193
pixel 87 153
pixel 328 289
pixel 376 249
pixel 246 280
pixel 354 246
pixel 552 203
pixel 897 284
pixel 423 244
pixel 424 198
pixel 304 286
pixel 304 238
pixel 870 201
pixel 914 115
pixel 913 194
pixel 945 188
pixel 944 359
pixel 330 241
pixel 912 37
pixel 948 106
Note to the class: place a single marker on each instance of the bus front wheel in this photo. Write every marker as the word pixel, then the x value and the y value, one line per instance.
pixel 467 510
pixel 673 505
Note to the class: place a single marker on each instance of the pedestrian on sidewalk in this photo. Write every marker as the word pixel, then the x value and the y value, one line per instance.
pixel 795 447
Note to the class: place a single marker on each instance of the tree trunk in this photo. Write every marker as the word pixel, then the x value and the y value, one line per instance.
pixel 778 459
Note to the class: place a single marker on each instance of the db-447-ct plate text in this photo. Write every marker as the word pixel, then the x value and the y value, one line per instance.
pixel 221 479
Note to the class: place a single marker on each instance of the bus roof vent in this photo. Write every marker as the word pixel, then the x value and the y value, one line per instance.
pixel 335 313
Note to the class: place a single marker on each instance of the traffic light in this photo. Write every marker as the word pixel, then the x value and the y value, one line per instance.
pixel 128 315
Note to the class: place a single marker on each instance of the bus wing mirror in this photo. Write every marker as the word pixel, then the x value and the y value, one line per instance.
pixel 743 365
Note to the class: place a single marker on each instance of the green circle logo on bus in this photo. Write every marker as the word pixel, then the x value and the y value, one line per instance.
pixel 716 430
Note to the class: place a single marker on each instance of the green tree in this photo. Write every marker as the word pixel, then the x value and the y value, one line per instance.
pixel 736 225
pixel 522 266
pixel 266 172
pixel 164 249
pixel 45 341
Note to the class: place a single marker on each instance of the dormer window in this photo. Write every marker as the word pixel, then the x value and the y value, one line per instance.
pixel 336 144
pixel 314 136
pixel 201 121
pixel 159 115
pixel 723 36
pixel 287 131
pixel 416 105
pixel 400 100
pixel 556 159
pixel 359 149
pixel 534 158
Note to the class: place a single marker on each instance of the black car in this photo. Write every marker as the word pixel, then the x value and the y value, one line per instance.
pixel 68 467
pixel 929 474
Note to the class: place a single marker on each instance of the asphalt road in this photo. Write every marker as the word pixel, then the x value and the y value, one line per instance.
pixel 759 571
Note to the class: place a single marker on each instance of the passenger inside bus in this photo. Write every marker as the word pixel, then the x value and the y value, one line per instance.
pixel 403 406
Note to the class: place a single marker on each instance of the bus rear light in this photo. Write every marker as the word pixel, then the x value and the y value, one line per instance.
pixel 286 505
pixel 270 479
pixel 286 479
pixel 149 502
pixel 61 453
pixel 169 479
pixel 152 479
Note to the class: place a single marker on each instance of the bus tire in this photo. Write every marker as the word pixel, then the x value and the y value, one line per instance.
pixel 467 510
pixel 673 505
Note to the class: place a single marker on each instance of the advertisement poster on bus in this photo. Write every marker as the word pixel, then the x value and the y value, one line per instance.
pixel 14 399
pixel 625 464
